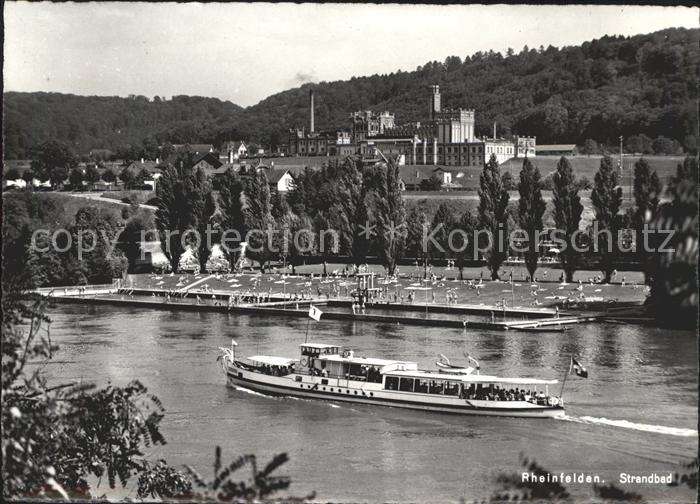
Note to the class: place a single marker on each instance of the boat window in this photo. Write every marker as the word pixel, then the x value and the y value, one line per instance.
pixel 421 386
pixel 406 384
pixel 451 388
pixel 436 386
pixel 391 383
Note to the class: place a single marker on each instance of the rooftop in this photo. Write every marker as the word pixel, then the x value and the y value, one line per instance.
pixel 471 378
pixel 556 147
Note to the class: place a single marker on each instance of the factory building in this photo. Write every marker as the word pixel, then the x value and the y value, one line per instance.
pixel 447 138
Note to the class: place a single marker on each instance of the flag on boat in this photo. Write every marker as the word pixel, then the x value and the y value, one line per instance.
pixel 315 313
pixel 578 368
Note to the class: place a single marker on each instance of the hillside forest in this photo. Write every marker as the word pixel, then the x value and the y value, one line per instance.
pixel 642 87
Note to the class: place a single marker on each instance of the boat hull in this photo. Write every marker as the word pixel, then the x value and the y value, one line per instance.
pixel 354 392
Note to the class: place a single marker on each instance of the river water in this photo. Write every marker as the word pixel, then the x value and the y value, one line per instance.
pixel 636 413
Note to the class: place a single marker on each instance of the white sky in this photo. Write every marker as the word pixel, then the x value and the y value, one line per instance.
pixel 245 52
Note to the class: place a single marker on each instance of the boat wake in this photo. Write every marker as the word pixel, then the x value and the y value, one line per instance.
pixel 253 392
pixel 625 424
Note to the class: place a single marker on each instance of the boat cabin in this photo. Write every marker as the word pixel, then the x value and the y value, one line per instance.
pixel 471 387
pixel 332 361
pixel 266 364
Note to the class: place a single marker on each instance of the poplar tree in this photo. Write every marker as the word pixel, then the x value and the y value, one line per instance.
pixel 463 241
pixel 531 208
pixel 391 218
pixel 674 287
pixel 232 203
pixel 647 189
pixel 567 214
pixel 185 203
pixel 258 217
pixel 443 223
pixel 415 221
pixel 493 202
pixel 607 200
pixel 204 206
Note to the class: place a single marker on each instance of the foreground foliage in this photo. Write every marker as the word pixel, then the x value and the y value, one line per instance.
pixel 55 437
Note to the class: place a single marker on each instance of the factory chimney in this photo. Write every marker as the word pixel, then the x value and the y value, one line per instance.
pixel 434 100
pixel 494 130
pixel 311 110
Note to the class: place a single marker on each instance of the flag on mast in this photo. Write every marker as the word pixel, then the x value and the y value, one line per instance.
pixel 315 313
pixel 577 368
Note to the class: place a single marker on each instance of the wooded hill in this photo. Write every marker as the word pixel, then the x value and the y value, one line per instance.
pixel 646 84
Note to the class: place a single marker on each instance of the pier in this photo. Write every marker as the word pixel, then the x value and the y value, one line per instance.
pixel 417 314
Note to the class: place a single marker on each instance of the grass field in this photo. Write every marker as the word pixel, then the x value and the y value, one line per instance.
pixel 139 197
pixel 459 202
pixel 71 204
pixel 587 166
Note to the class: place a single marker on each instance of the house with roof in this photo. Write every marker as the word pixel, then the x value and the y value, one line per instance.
pixel 150 166
pixel 280 180
pixel 232 150
pixel 207 161
pixel 556 150
pixel 411 177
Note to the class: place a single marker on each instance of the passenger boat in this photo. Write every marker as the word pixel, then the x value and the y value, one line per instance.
pixel 325 371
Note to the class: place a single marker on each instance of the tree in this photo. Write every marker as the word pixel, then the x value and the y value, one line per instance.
pixel 258 217
pixel 97 229
pixel 279 206
pixel 135 231
pixel 590 146
pixel 674 289
pixel 205 208
pixel 663 145
pixel 57 176
pixel 184 204
pixel 108 176
pixel 56 438
pixel 567 214
pixel 434 183
pixel 639 144
pixel 53 160
pixel 647 190
pixel 28 175
pixel 464 242
pixel 232 204
pixel 508 182
pixel 92 174
pixel 76 178
pixel 11 174
pixel 391 218
pixel 493 202
pixel 128 178
pixel 531 207
pixel 416 220
pixel 141 178
pixel 442 225
pixel 53 438
pixel 606 197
